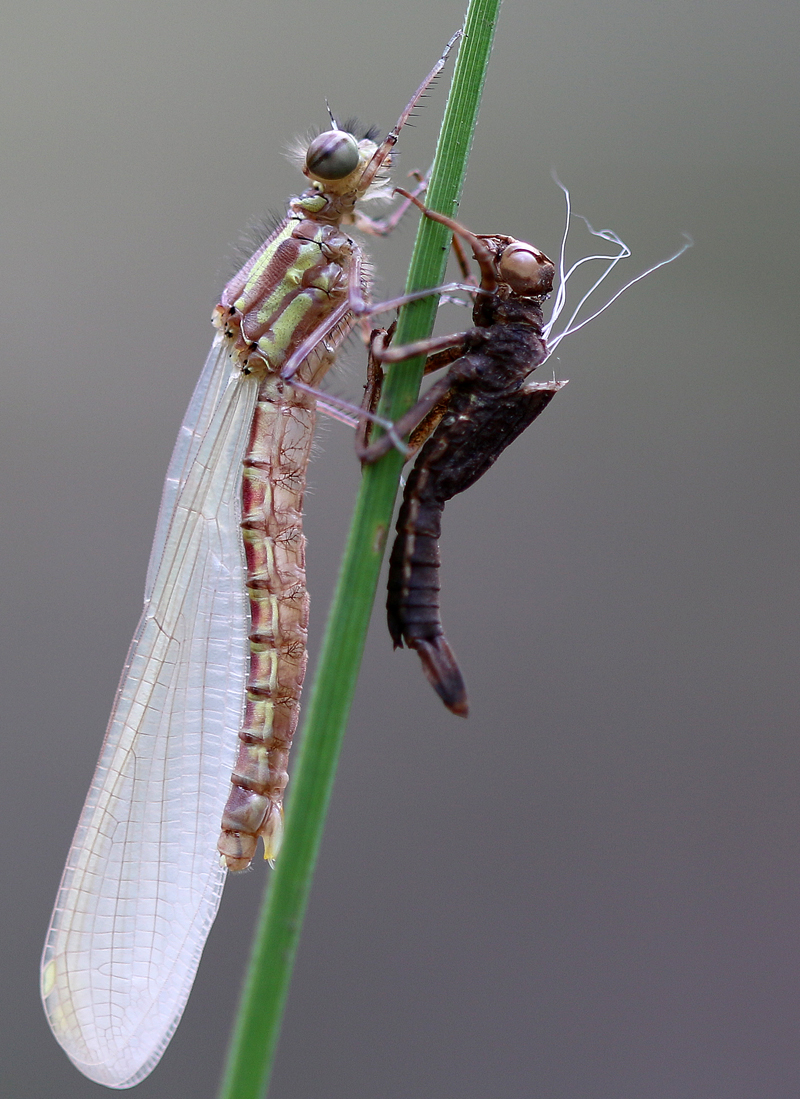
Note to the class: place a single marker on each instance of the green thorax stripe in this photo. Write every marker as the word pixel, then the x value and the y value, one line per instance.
pixel 298 319
pixel 288 287
pixel 279 271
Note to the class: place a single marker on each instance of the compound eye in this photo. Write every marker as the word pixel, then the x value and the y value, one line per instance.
pixel 526 269
pixel 332 155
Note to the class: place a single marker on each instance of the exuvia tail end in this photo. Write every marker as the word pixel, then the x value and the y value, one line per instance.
pixel 444 675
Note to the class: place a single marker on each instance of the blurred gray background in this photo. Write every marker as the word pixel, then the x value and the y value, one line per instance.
pixel 591 889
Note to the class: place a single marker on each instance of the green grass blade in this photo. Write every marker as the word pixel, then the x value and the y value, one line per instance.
pixel 257 1027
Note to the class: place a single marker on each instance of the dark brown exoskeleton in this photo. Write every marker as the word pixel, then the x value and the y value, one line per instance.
pixel 469 416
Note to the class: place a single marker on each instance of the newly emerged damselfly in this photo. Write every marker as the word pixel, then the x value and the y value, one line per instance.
pixel 466 419
pixel 193 767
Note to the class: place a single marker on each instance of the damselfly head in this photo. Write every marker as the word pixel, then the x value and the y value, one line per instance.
pixel 340 163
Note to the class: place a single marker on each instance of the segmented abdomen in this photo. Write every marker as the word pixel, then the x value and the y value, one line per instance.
pixel 273 483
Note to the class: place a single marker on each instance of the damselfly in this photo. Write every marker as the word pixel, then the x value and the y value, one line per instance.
pixel 220 648
pixel 468 417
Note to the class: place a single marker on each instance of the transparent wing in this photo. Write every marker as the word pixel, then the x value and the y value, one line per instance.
pixel 143 880
pixel 206 397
